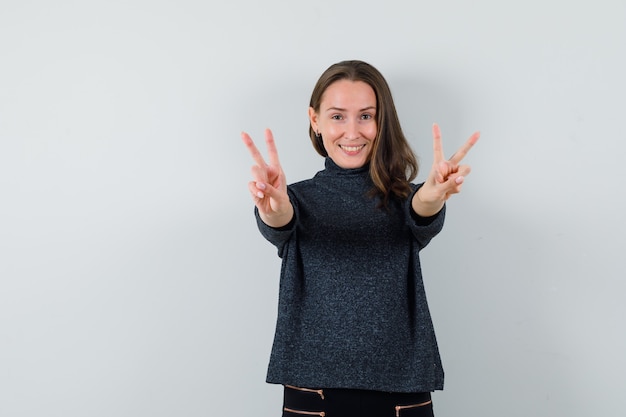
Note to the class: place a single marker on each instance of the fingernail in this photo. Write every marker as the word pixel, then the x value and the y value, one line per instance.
pixel 260 186
pixel 259 194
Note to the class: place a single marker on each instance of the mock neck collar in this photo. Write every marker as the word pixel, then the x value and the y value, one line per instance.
pixel 333 168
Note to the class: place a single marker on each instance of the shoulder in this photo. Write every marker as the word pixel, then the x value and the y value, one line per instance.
pixel 306 183
pixel 300 190
pixel 302 185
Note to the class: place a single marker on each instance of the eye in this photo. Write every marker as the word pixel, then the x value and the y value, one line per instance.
pixel 336 117
pixel 366 116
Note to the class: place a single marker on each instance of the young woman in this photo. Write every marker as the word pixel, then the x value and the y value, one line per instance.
pixel 354 336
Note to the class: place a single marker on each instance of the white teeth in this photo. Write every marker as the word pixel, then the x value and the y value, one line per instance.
pixel 352 148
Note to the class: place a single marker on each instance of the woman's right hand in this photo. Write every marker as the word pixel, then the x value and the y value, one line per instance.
pixel 269 186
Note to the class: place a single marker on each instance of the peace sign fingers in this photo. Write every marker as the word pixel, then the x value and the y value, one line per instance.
pixel 458 155
pixel 463 150
pixel 269 186
pixel 444 168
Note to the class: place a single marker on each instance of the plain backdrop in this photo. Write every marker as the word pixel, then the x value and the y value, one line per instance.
pixel 133 280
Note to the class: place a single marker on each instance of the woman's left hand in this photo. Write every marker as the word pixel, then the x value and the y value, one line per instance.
pixel 446 176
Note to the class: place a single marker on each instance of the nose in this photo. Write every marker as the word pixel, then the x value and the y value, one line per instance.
pixel 352 129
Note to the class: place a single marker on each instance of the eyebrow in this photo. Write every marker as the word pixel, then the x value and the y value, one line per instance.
pixel 340 109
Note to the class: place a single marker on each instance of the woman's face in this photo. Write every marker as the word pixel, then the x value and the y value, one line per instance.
pixel 347 122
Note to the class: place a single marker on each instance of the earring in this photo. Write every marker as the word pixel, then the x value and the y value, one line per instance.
pixel 318 135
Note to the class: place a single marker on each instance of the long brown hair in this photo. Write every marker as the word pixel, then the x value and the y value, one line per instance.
pixel 393 164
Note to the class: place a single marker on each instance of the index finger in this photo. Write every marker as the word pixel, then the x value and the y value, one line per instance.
pixel 463 150
pixel 254 151
pixel 437 147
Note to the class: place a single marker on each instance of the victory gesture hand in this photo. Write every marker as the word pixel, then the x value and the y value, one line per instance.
pixel 446 176
pixel 269 187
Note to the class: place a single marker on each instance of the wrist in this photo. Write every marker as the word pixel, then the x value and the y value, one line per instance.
pixel 277 219
pixel 423 206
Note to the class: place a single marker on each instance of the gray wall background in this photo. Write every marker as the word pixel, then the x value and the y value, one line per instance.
pixel 133 281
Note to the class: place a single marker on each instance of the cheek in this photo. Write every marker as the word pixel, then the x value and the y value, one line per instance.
pixel 327 142
pixel 331 134
pixel 371 131
pixel 332 130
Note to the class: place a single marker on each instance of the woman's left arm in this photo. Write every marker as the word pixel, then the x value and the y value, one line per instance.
pixel 446 177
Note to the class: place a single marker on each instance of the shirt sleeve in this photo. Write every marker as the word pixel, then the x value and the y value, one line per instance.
pixel 423 228
pixel 278 236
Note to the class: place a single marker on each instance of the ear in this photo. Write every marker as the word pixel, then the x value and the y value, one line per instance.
pixel 313 119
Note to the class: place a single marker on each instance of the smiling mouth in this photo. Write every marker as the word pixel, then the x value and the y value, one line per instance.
pixel 351 149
